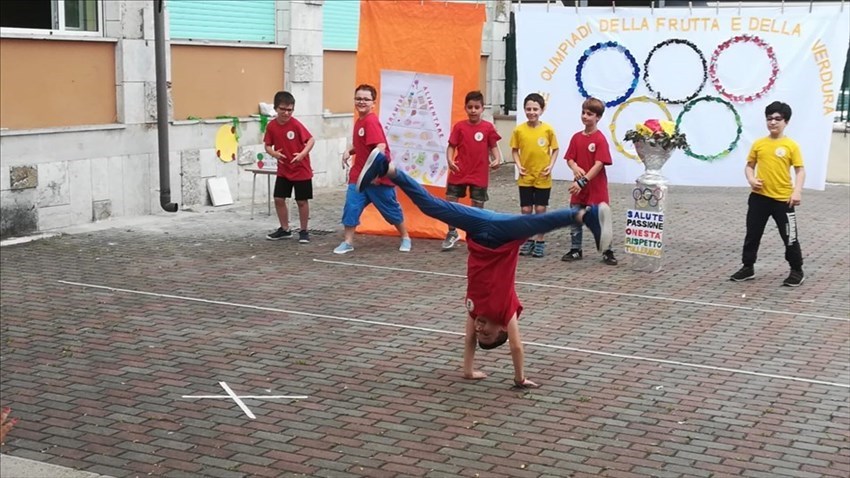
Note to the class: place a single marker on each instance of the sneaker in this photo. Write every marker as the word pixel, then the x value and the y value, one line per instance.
pixel 303 237
pixel 405 244
pixel 343 248
pixel 376 166
pixel 539 249
pixel 525 249
pixel 450 240
pixel 795 278
pixel 598 220
pixel 572 255
pixel 279 234
pixel 608 258
pixel 744 273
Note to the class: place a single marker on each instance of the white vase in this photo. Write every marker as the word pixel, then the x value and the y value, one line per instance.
pixel 653 159
pixel 650 195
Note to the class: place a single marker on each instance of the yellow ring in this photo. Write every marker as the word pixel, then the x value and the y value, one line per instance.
pixel 613 126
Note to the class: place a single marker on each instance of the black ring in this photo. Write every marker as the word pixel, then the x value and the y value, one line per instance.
pixel 657 47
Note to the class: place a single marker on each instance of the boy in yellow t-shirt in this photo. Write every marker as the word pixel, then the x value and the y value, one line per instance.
pixel 534 148
pixel 773 194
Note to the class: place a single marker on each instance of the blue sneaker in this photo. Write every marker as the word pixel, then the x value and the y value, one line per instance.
pixel 598 220
pixel 376 166
pixel 405 245
pixel 343 248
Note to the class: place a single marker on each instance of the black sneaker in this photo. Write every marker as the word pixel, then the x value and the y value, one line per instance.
pixel 525 249
pixel 608 258
pixel 303 237
pixel 279 234
pixel 572 255
pixel 794 279
pixel 745 273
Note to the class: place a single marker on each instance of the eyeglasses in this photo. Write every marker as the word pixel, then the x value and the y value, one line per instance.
pixel 363 100
pixel 286 110
pixel 775 118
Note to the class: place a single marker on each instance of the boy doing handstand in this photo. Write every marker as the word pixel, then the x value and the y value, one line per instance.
pixel 493 241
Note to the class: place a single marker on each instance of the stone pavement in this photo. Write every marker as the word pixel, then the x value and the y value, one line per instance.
pixel 680 373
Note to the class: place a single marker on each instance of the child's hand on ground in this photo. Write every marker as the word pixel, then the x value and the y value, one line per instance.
pixel 756 184
pixel 6 424
pixel 524 384
pixel 474 375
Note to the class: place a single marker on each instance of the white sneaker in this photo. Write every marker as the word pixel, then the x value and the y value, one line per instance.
pixel 405 245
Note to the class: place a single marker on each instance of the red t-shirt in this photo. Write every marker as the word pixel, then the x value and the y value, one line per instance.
pixel 585 150
pixel 289 139
pixel 490 289
pixel 368 133
pixel 473 143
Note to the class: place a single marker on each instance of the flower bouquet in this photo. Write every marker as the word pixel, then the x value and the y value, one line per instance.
pixel 655 132
pixel 654 142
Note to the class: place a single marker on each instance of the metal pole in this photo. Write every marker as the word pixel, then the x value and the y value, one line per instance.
pixel 162 108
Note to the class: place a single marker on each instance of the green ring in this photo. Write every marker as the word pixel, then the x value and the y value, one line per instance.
pixel 732 145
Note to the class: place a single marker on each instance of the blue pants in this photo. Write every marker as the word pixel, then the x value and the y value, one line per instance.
pixel 488 228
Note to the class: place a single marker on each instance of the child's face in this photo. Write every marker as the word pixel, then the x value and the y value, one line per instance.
pixel 363 101
pixel 533 111
pixel 284 112
pixel 776 124
pixel 589 118
pixel 474 109
pixel 487 331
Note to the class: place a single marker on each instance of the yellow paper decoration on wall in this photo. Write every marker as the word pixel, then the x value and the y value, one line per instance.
pixel 226 144
pixel 639 99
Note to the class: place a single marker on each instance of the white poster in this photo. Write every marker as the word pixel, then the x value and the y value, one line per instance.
pixel 711 71
pixel 416 111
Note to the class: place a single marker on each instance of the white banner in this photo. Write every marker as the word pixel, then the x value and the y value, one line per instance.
pixel 416 111
pixel 708 66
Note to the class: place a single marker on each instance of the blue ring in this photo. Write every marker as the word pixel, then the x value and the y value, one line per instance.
pixel 604 46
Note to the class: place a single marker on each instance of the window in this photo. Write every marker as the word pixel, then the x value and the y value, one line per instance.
pixel 64 16
pixel 222 20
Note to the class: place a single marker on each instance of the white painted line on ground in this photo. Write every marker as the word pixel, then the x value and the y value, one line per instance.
pixel 25 239
pixel 592 291
pixel 238 398
pixel 448 332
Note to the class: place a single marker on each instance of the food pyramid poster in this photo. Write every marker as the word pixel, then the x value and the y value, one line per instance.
pixel 416 113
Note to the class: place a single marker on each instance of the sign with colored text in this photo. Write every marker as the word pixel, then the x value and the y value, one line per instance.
pixel 711 71
pixel 644 232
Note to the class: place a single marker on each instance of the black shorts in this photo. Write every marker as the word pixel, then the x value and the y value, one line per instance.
pixel 303 189
pixel 476 193
pixel 532 196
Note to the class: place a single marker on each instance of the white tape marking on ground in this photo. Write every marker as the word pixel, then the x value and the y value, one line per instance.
pixel 238 398
pixel 448 332
pixel 592 291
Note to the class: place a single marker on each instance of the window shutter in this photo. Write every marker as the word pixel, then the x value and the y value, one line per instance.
pixel 341 22
pixel 224 20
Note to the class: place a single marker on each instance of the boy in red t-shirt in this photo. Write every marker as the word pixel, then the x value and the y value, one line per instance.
pixel 368 136
pixel 288 141
pixel 587 156
pixel 493 241
pixel 475 141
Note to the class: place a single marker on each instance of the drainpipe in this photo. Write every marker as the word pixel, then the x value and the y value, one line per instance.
pixel 162 108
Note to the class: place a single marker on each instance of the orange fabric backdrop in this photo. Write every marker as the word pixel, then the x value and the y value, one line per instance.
pixel 435 37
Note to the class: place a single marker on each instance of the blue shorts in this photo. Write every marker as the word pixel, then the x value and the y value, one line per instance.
pixel 383 197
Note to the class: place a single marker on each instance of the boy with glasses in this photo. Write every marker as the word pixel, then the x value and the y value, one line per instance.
pixel 773 194
pixel 368 135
